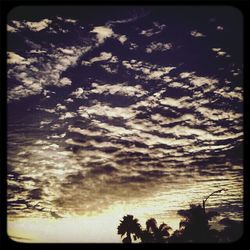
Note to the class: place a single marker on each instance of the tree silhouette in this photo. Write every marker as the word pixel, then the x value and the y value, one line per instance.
pixel 193 228
pixel 153 233
pixel 232 231
pixel 195 225
pixel 129 226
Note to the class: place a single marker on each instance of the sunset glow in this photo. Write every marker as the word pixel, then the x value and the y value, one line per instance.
pixel 135 112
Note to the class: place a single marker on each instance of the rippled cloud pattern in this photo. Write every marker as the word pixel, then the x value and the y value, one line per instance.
pixel 140 107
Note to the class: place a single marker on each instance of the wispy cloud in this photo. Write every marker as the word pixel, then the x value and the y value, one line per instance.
pixel 149 71
pixel 156 29
pixel 104 56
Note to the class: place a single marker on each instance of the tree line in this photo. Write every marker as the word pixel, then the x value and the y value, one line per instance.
pixel 194 227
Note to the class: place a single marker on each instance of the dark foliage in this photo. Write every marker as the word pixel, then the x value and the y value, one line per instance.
pixel 193 228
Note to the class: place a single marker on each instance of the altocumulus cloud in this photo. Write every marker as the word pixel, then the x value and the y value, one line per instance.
pixel 102 33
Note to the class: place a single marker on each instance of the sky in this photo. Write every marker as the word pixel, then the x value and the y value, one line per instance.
pixel 121 110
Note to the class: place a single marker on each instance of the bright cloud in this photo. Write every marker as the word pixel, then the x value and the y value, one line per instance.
pixel 154 46
pixel 49 72
pixel 148 70
pixel 195 33
pixel 38 26
pixel 102 33
pixel 67 115
pixel 78 93
pixel 67 51
pixel 11 29
pixel 14 58
pixel 220 52
pixel 118 89
pixel 220 28
pixel 104 56
pixel 102 109
pixel 122 39
pixel 65 81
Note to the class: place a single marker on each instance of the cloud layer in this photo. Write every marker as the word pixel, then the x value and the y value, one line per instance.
pixel 118 110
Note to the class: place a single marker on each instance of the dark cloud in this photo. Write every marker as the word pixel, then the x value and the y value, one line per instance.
pixel 133 179
pixel 153 173
pixel 35 194
pixel 75 178
pixel 108 169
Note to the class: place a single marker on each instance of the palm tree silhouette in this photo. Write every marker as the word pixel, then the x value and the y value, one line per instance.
pixel 195 225
pixel 129 226
pixel 193 228
pixel 153 233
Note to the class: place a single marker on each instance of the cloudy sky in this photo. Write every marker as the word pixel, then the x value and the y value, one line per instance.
pixel 116 110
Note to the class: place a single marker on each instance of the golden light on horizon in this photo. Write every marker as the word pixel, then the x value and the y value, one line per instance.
pixel 92 229
pixel 102 227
